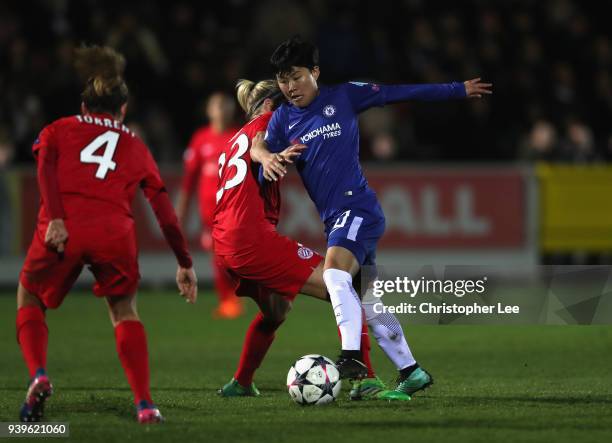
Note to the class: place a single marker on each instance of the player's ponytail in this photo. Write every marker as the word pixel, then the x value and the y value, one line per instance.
pixel 101 69
pixel 251 95
pixel 243 91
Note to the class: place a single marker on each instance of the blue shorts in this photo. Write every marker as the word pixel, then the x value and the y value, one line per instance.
pixel 358 230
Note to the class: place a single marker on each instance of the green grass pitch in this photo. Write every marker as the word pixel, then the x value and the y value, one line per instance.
pixel 493 383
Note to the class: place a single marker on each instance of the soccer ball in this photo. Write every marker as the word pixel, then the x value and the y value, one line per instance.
pixel 313 380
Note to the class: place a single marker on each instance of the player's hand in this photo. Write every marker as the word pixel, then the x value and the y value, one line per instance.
pixel 56 235
pixel 273 166
pixel 476 89
pixel 291 152
pixel 187 283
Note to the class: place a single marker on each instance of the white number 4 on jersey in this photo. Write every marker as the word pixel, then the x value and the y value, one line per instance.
pixel 110 139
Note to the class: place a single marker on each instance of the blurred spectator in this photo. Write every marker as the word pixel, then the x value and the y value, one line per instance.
pixel 541 143
pixel 384 147
pixel 138 44
pixel 578 145
pixel 7 149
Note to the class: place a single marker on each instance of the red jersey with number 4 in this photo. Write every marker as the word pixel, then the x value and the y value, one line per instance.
pixel 100 164
pixel 245 208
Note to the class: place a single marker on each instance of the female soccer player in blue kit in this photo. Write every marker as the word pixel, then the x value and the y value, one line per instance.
pixel 321 124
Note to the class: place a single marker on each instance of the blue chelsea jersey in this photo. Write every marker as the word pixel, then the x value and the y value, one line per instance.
pixel 330 166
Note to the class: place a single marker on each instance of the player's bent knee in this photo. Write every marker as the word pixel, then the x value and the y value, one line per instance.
pixel 122 308
pixel 26 298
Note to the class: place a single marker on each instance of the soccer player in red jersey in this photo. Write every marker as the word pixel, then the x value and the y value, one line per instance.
pixel 200 167
pixel 266 266
pixel 89 167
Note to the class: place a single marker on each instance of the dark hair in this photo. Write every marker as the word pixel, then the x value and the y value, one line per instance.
pixel 294 52
pixel 101 69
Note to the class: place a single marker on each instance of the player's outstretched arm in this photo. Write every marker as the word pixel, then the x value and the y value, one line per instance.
pixel 272 164
pixel 187 283
pixel 364 97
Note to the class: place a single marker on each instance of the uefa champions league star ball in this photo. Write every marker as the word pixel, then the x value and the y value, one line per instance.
pixel 313 380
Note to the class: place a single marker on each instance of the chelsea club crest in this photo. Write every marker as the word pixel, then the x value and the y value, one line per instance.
pixel 329 111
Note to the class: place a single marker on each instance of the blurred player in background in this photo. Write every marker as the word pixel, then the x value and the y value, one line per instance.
pixel 201 167
pixel 267 266
pixel 89 167
pixel 322 123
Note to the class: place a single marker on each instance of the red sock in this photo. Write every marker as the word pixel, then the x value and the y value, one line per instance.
pixel 131 341
pixel 259 337
pixel 365 346
pixel 32 336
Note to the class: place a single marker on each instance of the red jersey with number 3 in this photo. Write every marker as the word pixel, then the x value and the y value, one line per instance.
pixel 245 207
pixel 100 164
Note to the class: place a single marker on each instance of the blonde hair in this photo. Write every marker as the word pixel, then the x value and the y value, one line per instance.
pixel 101 69
pixel 251 95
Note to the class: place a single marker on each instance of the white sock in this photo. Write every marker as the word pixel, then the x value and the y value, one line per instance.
pixel 390 336
pixel 347 307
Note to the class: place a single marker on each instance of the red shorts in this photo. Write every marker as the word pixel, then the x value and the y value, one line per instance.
pixel 112 259
pixel 277 265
